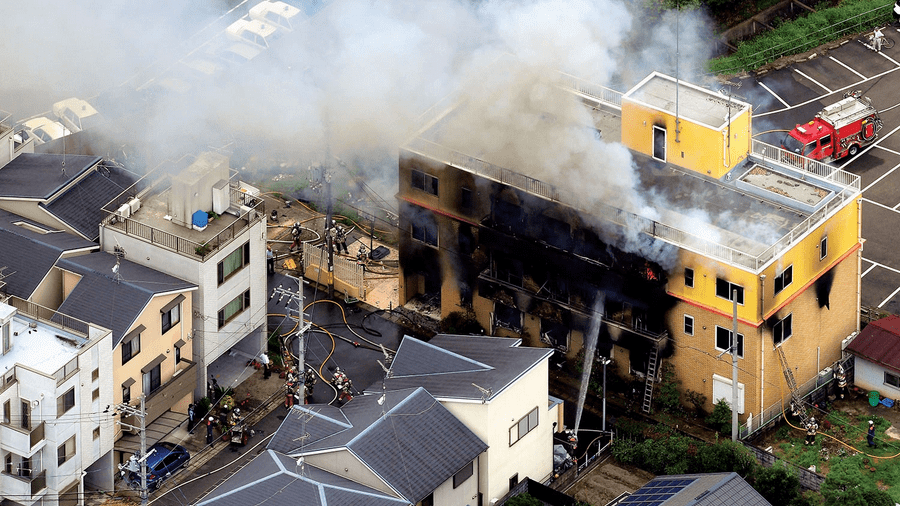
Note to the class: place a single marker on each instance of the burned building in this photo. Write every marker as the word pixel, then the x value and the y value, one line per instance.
pixel 696 214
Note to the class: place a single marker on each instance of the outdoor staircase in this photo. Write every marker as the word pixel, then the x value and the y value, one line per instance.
pixel 796 399
pixel 651 376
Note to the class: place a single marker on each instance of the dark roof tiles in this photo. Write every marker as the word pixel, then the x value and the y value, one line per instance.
pixel 40 175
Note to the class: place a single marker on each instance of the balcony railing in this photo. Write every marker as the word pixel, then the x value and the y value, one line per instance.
pixel 21 440
pixel 848 188
pixel 50 317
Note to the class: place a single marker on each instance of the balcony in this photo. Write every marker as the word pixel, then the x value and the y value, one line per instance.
pixel 22 487
pixel 163 398
pixel 20 440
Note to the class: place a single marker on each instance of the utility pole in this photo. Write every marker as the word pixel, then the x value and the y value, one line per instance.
pixel 141 415
pixel 734 367
pixel 329 241
pixel 303 323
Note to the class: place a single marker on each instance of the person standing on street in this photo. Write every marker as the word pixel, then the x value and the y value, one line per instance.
pixel 870 436
pixel 270 260
pixel 209 430
pixel 191 420
pixel 264 360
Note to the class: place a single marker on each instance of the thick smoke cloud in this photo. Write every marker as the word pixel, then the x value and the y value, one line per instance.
pixel 354 80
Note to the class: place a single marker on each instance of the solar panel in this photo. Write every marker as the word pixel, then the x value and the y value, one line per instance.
pixel 657 491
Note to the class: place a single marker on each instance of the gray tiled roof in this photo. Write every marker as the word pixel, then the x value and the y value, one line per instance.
pixel 40 175
pixel 99 298
pixel 712 489
pixel 272 479
pixel 80 206
pixel 29 256
pixel 410 440
pixel 447 365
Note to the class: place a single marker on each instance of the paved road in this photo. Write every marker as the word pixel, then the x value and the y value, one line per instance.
pixel 794 94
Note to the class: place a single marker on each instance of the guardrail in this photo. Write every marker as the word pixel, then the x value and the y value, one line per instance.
pixel 820 169
pixel 602 94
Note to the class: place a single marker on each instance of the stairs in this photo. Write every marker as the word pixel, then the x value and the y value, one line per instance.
pixel 651 377
pixel 796 400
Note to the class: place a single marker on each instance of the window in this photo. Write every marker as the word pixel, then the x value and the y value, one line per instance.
pixel 65 402
pixel 25 406
pixel 234 308
pixel 126 393
pixel 171 317
pixel 823 248
pixel 724 289
pixel 66 370
pixel 555 334
pixel 425 230
pixel 689 325
pixel 659 143
pixel 151 380
pixel 95 374
pixel 7 412
pixel 782 330
pixel 7 343
pixel 723 341
pixel 825 141
pixel 513 481
pixel 131 346
pixel 8 464
pixel 524 426
pixel 891 379
pixel 463 474
pixel 425 182
pixel 784 279
pixel 465 200
pixel 96 433
pixel 95 394
pixel 689 278
pixel 65 451
pixel 235 261
pixel 177 355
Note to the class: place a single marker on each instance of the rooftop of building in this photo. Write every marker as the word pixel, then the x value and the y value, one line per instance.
pixel 745 218
pixel 39 176
pixel 879 342
pixel 704 489
pixel 40 344
pixel 694 103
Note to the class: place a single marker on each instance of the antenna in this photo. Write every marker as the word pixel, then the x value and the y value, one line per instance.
pixel 387 372
pixel 119 252
pixel 677 29
pixel 485 393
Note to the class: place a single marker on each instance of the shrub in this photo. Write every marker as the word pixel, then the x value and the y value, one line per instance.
pixel 777 484
pixel 720 418
pixel 525 499
pixel 669 397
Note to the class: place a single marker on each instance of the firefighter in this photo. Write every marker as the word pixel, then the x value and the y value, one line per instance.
pixel 811 428
pixel 289 384
pixel 362 255
pixel 339 238
pixel 209 430
pixel 870 435
pixel 295 235
pixel 235 417
pixel 309 381
pixel 343 384
pixel 841 381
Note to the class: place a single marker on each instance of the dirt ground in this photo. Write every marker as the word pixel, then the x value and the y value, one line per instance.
pixel 608 481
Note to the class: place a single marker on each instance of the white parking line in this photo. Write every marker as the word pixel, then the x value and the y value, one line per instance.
pixel 886 174
pixel 870 146
pixel 882 265
pixel 889 150
pixel 879 205
pixel 835 60
pixel 773 94
pixel 889 297
pixel 867 271
pixel 820 85
pixel 892 60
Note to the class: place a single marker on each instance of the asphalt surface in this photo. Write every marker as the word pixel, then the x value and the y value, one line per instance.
pixel 792 95
pixel 359 363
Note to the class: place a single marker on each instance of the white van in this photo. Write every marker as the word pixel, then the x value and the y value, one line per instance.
pixel 253 31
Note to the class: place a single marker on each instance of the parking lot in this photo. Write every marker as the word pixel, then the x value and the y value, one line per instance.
pixel 794 94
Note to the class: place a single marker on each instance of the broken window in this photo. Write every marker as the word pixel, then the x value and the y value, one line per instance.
pixel 723 341
pixel 688 277
pixel 782 329
pixel 465 200
pixel 555 334
pixel 784 279
pixel 726 289
pixel 425 182
pixel 507 317
pixel 425 231
pixel 659 143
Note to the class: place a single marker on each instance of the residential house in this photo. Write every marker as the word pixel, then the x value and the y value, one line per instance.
pixel 876 352
pixel 394 447
pixel 197 225
pixel 712 489
pixel 12 143
pixel 56 388
pixel 499 390
pixel 683 217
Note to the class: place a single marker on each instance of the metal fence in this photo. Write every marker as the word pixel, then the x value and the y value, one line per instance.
pixel 822 170
pixel 50 316
pixel 602 94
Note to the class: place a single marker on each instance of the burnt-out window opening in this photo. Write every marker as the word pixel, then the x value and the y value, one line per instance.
pixel 555 232
pixel 424 229
pixel 507 317
pixel 782 329
pixel 507 217
pixel 724 289
pixel 555 334
pixel 784 279
pixel 466 239
pixel 891 379
pixel 659 143
pixel 688 277
pixel 509 270
pixel 689 325
pixel 465 200
pixel 823 248
pixel 425 182
pixel 723 341
pixel 465 295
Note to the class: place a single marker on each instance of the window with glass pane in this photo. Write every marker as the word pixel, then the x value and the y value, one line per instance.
pixel 171 318
pixel 151 380
pixel 234 262
pixel 233 308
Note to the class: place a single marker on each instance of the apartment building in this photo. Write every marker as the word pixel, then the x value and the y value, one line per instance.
pixel 56 434
pixel 194 223
pixel 705 215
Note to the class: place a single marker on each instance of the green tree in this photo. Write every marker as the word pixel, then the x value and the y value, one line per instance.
pixel 525 499
pixel 725 456
pixel 720 418
pixel 669 397
pixel 777 484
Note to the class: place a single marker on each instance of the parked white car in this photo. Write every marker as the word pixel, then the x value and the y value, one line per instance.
pixel 286 17
pixel 43 129
pixel 253 31
pixel 76 114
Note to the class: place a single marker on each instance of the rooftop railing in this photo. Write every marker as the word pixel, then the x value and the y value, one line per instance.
pixel 602 94
pixel 50 317
pixel 648 226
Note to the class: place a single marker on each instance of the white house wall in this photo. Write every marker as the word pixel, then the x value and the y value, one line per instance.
pixel 870 376
pixel 464 495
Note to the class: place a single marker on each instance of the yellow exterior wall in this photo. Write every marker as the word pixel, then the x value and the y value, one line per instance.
pixel 702 149
pixel 706 271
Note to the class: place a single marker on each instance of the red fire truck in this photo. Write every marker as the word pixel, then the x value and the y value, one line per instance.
pixel 839 130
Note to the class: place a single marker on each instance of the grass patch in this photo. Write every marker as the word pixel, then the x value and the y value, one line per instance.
pixel 805 33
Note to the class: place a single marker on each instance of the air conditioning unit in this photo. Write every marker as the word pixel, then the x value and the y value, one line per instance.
pixel 124 211
pixel 824 373
pixel 134 204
